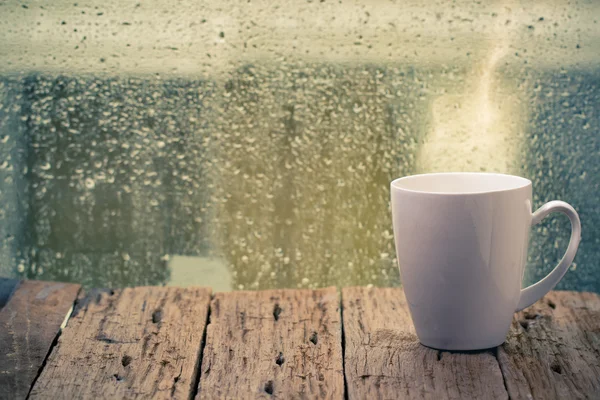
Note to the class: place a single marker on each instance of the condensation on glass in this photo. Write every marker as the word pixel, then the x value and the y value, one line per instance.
pixel 251 145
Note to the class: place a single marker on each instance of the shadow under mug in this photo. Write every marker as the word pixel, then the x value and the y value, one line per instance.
pixel 461 242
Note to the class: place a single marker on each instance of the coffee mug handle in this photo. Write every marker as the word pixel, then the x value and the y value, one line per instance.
pixel 533 293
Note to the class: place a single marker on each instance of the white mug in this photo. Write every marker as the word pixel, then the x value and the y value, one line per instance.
pixel 461 243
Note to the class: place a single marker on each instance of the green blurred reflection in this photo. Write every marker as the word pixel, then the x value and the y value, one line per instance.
pixel 271 178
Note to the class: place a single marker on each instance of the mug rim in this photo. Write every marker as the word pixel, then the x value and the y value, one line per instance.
pixel 522 183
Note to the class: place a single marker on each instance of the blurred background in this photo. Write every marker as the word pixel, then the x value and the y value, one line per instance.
pixel 250 145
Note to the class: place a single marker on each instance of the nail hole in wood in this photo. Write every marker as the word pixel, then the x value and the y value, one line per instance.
pixel 156 316
pixel 551 304
pixel 269 387
pixel 524 324
pixel 314 338
pixel 118 377
pixel 126 360
pixel 556 367
pixel 276 312
pixel 280 360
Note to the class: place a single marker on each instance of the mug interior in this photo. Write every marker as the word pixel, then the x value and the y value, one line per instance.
pixel 460 183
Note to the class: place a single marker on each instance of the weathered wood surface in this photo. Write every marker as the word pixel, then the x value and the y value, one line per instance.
pixel 29 324
pixel 132 343
pixel 147 342
pixel 553 349
pixel 279 343
pixel 384 360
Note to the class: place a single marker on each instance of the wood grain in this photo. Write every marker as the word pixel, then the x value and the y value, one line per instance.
pixel 132 343
pixel 553 349
pixel 278 343
pixel 384 360
pixel 29 324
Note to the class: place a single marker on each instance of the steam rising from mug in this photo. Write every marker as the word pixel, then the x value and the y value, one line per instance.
pixel 476 130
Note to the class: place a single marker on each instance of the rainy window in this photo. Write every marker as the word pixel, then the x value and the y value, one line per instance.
pixel 251 145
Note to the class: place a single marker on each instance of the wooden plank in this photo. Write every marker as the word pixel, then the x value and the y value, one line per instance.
pixel 7 288
pixel 29 324
pixel 553 349
pixel 384 360
pixel 132 343
pixel 277 343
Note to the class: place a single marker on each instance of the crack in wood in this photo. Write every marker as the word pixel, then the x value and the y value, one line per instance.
pixel 341 311
pixel 495 353
pixel 198 369
pixel 53 344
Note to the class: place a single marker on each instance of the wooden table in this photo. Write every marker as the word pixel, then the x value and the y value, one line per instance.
pixel 182 343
